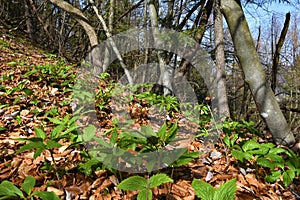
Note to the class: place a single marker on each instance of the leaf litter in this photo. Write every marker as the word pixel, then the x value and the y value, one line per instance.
pixel 23 110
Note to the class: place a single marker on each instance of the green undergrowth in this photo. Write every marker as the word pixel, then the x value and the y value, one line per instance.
pixel 103 150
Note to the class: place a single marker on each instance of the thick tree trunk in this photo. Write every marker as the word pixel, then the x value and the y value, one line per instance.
pixel 254 73
pixel 223 108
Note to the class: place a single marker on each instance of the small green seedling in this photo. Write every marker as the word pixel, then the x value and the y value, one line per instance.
pixel 10 191
pixel 205 191
pixel 144 185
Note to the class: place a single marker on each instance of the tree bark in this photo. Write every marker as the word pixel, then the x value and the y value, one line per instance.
pixel 279 45
pixel 113 44
pixel 165 70
pixel 254 73
pixel 223 108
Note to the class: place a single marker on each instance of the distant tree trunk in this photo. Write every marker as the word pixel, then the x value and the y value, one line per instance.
pixel 279 45
pixel 165 70
pixel 41 22
pixel 223 108
pixel 185 65
pixel 82 20
pixel 112 43
pixel 110 29
pixel 254 73
pixel 29 26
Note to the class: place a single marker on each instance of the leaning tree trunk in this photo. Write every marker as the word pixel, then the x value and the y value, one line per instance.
pixel 82 20
pixel 254 73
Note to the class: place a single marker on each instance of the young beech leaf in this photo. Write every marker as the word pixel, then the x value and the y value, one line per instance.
pixel 28 184
pixel 133 183
pixel 52 144
pixel 159 179
pixel 203 190
pixel 145 194
pixel 46 195
pixel 40 133
pixel 226 191
pixel 89 133
pixel 9 190
pixel 274 176
pixel 288 177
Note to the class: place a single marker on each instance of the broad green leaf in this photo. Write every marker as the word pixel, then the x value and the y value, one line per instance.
pixel 226 191
pixel 185 158
pixel 148 131
pixel 55 121
pixel 234 138
pixel 144 196
pixel 162 132
pixel 276 150
pixel 28 184
pixel 203 190
pixel 226 140
pixel 133 183
pixel 288 177
pixel 171 133
pixel 38 152
pixel 114 136
pixel 159 179
pixel 264 162
pixel 274 176
pixel 52 144
pixel 46 195
pixel 275 157
pixel 55 133
pixel 31 146
pixel 40 133
pixel 250 145
pixel 9 189
pixel 89 133
pixel 28 92
pixel 87 166
pixel 260 151
pixel 241 155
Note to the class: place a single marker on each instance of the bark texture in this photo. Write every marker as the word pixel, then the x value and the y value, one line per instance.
pixel 254 73
pixel 223 108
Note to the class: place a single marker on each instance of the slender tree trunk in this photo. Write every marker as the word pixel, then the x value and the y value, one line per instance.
pixel 112 44
pixel 29 26
pixel 254 73
pixel 110 29
pixel 165 70
pixel 223 108
pixel 41 21
pixel 185 65
pixel 279 45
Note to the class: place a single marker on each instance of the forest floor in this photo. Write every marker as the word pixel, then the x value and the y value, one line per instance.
pixel 27 99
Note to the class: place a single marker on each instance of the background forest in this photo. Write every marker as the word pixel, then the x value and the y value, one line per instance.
pixel 44 44
pixel 58 29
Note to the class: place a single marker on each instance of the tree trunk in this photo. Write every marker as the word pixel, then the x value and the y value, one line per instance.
pixel 277 51
pixel 165 70
pixel 112 44
pixel 223 108
pixel 254 73
pixel 29 25
pixel 82 20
